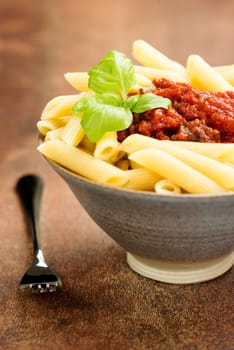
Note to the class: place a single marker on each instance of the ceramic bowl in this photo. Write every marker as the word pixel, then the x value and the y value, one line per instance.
pixel 174 239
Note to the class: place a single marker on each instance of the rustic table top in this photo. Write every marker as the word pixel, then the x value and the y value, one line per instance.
pixel 102 304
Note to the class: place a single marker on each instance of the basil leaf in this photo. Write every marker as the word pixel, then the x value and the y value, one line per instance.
pixel 81 104
pixel 99 118
pixel 131 102
pixel 115 73
pixel 109 99
pixel 149 101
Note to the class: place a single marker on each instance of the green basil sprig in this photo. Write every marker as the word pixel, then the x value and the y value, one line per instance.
pixel 110 108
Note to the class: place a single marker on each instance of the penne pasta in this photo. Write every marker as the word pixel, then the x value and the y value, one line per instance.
pixel 141 179
pixel 54 134
pixel 73 132
pixel 228 157
pixel 156 73
pixel 44 126
pixel 221 173
pixel 149 56
pixel 143 81
pixel 215 170
pixel 59 106
pixel 83 163
pixel 223 152
pixel 166 187
pixel 185 176
pixel 227 73
pixel 108 148
pixel 78 80
pixel 202 76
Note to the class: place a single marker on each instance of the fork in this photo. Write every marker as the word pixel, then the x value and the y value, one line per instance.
pixel 39 278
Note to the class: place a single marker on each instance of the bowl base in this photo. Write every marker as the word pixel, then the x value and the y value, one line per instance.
pixel 178 272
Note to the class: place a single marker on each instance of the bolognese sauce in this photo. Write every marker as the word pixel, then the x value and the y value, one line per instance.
pixel 195 115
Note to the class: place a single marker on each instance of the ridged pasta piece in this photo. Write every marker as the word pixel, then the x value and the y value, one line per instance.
pixel 223 152
pixel 108 148
pixel 156 73
pixel 78 80
pixel 166 187
pixel 54 134
pixel 141 179
pixel 83 163
pixel 175 170
pixel 149 56
pixel 220 151
pixel 227 72
pixel 59 106
pixel 143 81
pixel 73 132
pixel 44 126
pixel 202 76
pixel 221 173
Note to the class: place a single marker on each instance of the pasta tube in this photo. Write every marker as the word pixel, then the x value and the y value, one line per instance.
pixel 202 76
pixel 185 176
pixel 149 56
pixel 59 106
pixel 221 151
pixel 44 126
pixel 73 132
pixel 141 179
pixel 78 80
pixel 108 148
pixel 143 81
pixel 54 134
pixel 227 72
pixel 217 171
pixel 82 163
pixel 166 187
pixel 156 73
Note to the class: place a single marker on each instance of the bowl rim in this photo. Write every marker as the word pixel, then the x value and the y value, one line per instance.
pixel 140 193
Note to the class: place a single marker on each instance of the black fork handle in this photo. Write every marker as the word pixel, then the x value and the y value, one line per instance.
pixel 29 188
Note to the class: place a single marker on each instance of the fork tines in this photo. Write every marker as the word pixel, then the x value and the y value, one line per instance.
pixel 40 287
pixel 40 279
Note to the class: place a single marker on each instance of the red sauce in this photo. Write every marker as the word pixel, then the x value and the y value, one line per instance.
pixel 195 115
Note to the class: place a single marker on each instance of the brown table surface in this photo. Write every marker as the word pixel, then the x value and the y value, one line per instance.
pixel 102 304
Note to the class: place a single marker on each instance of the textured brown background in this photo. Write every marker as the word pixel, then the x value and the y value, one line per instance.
pixel 102 305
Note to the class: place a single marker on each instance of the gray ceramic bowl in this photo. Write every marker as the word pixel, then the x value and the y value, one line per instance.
pixel 175 239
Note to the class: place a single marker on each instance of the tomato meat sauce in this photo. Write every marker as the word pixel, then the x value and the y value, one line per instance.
pixel 195 115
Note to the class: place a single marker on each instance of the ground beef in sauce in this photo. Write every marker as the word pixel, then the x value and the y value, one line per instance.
pixel 195 115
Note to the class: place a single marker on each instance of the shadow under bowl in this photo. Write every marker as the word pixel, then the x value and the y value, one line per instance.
pixel 175 239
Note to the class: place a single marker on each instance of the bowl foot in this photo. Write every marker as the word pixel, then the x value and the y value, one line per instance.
pixel 178 272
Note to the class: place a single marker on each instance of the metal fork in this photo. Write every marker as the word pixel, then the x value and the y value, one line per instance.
pixel 39 278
